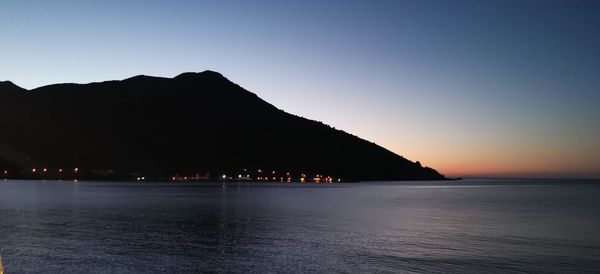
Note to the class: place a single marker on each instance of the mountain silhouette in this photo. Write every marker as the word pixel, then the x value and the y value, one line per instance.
pixel 192 123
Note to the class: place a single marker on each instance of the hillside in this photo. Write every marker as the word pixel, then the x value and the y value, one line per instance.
pixel 192 123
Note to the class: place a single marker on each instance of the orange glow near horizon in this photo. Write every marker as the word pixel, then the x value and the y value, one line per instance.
pixel 500 156
pixel 508 163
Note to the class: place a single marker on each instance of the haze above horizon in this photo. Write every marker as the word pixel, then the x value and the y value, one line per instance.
pixel 470 88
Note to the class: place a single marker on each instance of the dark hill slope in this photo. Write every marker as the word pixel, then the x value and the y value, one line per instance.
pixel 191 123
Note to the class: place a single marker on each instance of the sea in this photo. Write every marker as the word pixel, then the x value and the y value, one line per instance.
pixel 468 226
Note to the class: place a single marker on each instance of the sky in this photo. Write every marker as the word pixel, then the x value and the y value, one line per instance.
pixel 470 88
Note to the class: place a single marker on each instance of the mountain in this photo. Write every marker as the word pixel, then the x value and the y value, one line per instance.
pixel 193 123
pixel 10 89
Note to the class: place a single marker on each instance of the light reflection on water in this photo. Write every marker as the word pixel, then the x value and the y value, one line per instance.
pixel 1 262
pixel 472 227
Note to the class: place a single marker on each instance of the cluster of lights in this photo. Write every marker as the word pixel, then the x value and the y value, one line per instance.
pixel 263 176
pixel 45 170
pixel 178 178
pixel 321 178
pixel 272 177
pixel 41 171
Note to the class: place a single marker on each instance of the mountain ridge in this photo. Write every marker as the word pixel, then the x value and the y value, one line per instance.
pixel 194 122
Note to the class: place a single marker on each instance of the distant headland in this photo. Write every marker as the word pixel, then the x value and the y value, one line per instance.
pixel 196 126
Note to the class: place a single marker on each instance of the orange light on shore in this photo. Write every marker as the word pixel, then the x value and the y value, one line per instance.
pixel 76 170
pixel 45 170
pixel 60 170
pixel 33 170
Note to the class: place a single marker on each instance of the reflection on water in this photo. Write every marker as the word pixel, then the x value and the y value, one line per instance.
pixel 359 228
pixel 1 263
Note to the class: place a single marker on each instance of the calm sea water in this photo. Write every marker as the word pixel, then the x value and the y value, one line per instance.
pixel 409 227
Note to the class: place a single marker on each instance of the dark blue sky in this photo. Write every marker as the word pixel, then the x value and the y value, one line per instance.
pixel 468 87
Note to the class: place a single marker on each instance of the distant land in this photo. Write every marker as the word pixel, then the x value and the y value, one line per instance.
pixel 193 126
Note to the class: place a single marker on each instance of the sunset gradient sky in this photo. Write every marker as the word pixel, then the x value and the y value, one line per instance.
pixel 471 88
